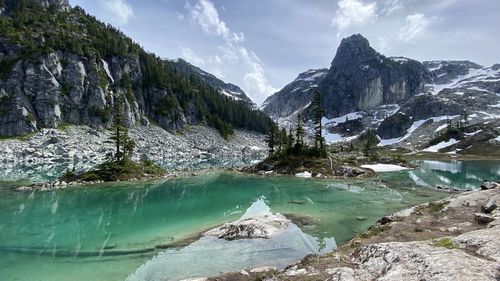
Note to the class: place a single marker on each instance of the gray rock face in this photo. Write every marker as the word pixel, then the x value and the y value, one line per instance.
pixel 426 106
pixel 295 96
pixel 65 88
pixel 446 71
pixel 362 79
pixel 394 126
pixel 420 261
pixel 224 88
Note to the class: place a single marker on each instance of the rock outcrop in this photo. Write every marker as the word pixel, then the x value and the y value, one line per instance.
pixel 394 126
pixel 265 226
pixel 434 241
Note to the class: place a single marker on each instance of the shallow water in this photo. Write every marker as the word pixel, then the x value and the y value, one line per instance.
pixel 110 231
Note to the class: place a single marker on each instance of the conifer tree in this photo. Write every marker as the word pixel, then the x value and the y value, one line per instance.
pixel 283 139
pixel 291 139
pixel 299 133
pixel 317 116
pixel 123 143
pixel 271 140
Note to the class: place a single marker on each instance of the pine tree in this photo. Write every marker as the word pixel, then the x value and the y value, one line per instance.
pixel 123 143
pixel 465 117
pixel 317 116
pixel 299 133
pixel 271 140
pixel 291 139
pixel 283 139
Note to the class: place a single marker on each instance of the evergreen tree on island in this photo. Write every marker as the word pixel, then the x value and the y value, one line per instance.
pixel 271 140
pixel 318 128
pixel 299 133
pixel 123 143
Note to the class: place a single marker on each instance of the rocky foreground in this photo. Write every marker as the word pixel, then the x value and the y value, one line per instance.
pixel 456 238
pixel 84 147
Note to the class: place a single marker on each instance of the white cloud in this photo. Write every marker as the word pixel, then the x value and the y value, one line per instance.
pixel 206 16
pixel 391 7
pixel 255 80
pixel 189 55
pixel 353 13
pixel 119 11
pixel 179 16
pixel 416 26
pixel 232 60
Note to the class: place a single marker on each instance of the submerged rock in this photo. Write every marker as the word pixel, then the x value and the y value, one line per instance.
pixel 265 227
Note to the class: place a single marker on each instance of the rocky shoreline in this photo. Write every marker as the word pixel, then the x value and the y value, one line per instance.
pixel 455 238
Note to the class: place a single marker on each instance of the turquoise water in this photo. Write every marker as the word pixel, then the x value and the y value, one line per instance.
pixel 124 230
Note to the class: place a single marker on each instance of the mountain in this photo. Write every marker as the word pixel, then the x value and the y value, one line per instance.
pixel 224 88
pixel 361 79
pixel 294 96
pixel 59 65
pixel 407 102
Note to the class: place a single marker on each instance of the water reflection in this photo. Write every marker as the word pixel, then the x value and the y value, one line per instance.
pixel 463 175
pixel 281 250
pixel 37 173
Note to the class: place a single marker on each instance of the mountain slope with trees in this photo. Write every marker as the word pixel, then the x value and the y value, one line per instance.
pixel 60 65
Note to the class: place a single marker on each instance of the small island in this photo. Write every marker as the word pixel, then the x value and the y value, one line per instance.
pixel 290 154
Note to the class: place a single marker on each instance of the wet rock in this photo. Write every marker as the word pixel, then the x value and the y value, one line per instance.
pixel 490 185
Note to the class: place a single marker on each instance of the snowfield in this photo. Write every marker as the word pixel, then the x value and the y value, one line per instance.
pixel 441 145
pixel 381 168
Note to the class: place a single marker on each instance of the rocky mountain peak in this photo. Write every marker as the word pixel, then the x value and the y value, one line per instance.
pixel 362 79
pixel 353 50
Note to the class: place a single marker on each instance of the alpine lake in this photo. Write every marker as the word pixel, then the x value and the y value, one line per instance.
pixel 153 230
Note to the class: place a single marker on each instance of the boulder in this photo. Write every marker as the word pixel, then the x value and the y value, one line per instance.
pixel 265 227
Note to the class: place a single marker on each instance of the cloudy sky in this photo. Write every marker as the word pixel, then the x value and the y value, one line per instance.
pixel 261 45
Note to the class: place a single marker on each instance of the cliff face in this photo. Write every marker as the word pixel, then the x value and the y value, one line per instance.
pixel 62 87
pixel 362 79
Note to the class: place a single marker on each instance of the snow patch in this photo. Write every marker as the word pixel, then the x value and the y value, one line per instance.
pixel 380 168
pixel 441 145
pixel 106 68
pixel 304 175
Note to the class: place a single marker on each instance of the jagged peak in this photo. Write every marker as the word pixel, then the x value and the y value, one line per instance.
pixel 353 49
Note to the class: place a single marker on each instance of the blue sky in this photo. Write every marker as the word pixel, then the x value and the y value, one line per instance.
pixel 261 45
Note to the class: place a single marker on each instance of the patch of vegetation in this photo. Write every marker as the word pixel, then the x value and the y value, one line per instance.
pixel 114 171
pixel 101 113
pixel 64 126
pixel 374 231
pixel 24 137
pixel 445 243
pixel 433 207
pixel 6 65
pixel 65 88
